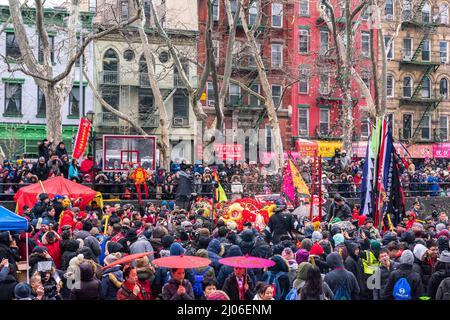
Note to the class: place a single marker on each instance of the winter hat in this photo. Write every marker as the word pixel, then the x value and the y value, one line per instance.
pixel 114 247
pixel 203 232
pixel 443 233
pixel 443 244
pixel 167 241
pixel 408 237
pixel 334 260
pixel 176 249
pixel 419 251
pixel 218 295
pixel 389 237
pixel 316 225
pixel 316 236
pixel 159 232
pixel 203 242
pixel 306 244
pixel 39 249
pixel 202 253
pixel 440 227
pixel 338 239
pixel 171 205
pixel 287 254
pixel 112 257
pixel 375 244
pixel 444 257
pixel 301 255
pixel 309 229
pixel 22 290
pixel 316 250
pixel 407 257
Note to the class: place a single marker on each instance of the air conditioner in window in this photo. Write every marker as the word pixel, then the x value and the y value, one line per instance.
pixel 406 57
pixel 304 12
pixel 389 17
pixel 178 121
pixel 210 103
pixel 443 59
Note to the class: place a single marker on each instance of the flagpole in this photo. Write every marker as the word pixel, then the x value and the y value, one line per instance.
pixel 320 188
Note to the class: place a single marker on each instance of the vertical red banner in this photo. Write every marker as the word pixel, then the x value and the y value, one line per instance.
pixel 82 138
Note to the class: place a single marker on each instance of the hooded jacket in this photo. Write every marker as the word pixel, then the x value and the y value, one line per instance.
pixel 302 272
pixel 53 250
pixel 413 278
pixel 69 251
pixel 230 287
pixel 421 265
pixel 112 279
pixel 91 242
pixel 247 241
pixel 215 251
pixel 442 272
pixel 339 274
pixel 225 271
pixel 169 291
pixel 89 286
pixel 142 245
pixel 353 263
pixel 279 271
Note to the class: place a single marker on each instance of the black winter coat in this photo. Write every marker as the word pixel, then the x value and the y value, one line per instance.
pixel 413 278
pixel 7 287
pixel 89 286
pixel 423 269
pixel 436 279
pixel 231 288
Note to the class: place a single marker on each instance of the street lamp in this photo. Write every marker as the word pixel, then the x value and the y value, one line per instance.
pixel 90 117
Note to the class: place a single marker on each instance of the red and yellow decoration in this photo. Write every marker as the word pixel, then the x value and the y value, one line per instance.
pixel 140 176
pixel 82 139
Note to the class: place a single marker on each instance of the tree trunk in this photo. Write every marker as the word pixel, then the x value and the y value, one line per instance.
pixel 53 114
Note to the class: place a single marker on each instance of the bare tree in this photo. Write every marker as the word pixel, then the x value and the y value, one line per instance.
pixel 55 87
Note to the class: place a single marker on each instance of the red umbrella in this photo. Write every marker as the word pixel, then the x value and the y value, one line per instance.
pixel 128 258
pixel 181 262
pixel 247 262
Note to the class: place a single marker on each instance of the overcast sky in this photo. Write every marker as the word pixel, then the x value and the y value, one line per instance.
pixel 47 3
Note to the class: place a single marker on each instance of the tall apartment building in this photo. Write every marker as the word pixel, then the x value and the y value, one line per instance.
pixel 316 98
pixel 418 70
pixel 121 71
pixel 242 110
pixel 22 104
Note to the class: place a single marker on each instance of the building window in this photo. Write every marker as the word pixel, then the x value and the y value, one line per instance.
pixel 216 10
pixel 41 107
pixel 365 14
pixel 324 87
pixel 324 42
pixel 406 10
pixel 277 55
pixel 366 80
pixel 389 48
pixel 110 67
pixel 426 87
pixel 74 101
pixel 407 49
pixel 111 95
pixel 13 99
pixel 426 50
pixel 365 44
pixel 303 127
pixel 252 100
pixel 364 124
pixel 277 15
pixel 443 128
pixel 389 9
pixel 443 51
pixel 234 94
pixel 146 103
pixel 324 121
pixel 304 8
pixel 124 10
pixel 209 94
pixel 268 138
pixel 252 14
pixel 426 13
pixel 303 84
pixel 303 41
pixel 425 127
pixel 216 46
pixel 342 5
pixel 390 121
pixel 390 85
pixel 407 126
pixel 180 107
pixel 443 88
pixel 233 7
pixel 51 42
pixel 12 47
pixel 92 5
pixel 443 13
pixel 407 87
pixel 276 94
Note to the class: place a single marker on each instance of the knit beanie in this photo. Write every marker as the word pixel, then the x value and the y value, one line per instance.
pixel 301 255
pixel 316 250
pixel 316 236
pixel 407 257
pixel 306 244
pixel 338 239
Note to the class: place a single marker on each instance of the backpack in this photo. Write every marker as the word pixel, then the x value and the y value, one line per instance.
pixel 270 278
pixel 167 278
pixel 402 289
pixel 197 287
pixel 342 291
pixel 292 294
pixel 370 263
pixel 443 291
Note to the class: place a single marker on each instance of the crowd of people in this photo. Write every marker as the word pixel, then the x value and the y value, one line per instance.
pixel 342 173
pixel 343 257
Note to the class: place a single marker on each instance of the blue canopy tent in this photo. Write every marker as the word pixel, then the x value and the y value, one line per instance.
pixel 9 221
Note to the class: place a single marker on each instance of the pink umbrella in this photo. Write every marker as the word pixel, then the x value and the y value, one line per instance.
pixel 181 262
pixel 247 262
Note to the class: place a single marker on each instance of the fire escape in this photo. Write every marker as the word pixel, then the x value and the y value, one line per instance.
pixel 422 94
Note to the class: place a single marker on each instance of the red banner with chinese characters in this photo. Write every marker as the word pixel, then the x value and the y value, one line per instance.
pixel 441 150
pixel 82 138
pixel 233 152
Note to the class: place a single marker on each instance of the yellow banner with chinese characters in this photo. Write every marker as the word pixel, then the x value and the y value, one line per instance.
pixel 326 148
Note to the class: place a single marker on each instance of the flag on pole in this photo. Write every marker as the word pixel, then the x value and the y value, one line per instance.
pixel 287 188
pixel 297 179
pixel 219 192
pixel 366 185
